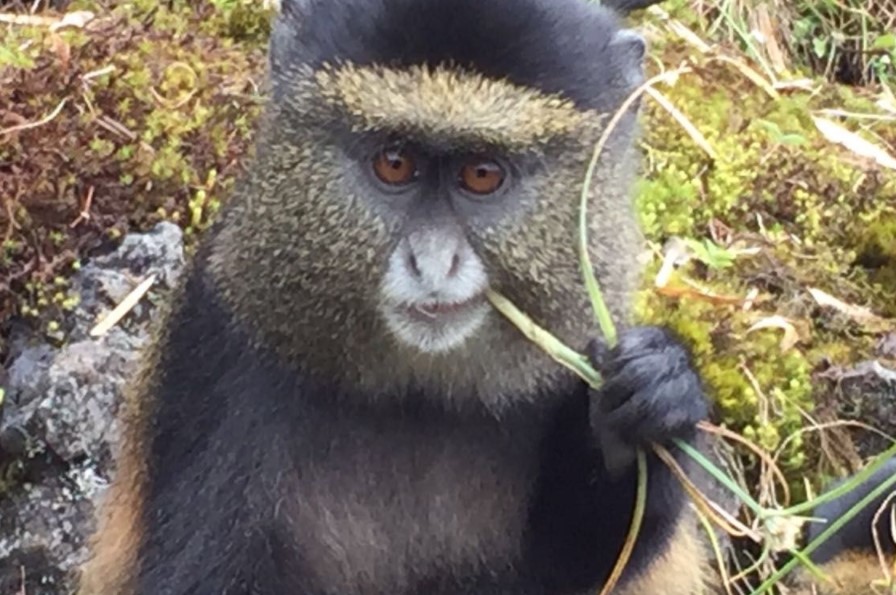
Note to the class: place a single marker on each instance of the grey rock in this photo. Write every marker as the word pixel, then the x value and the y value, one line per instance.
pixel 886 346
pixel 59 426
pixel 865 392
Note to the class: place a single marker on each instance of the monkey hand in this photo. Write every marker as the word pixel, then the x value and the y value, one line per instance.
pixel 651 393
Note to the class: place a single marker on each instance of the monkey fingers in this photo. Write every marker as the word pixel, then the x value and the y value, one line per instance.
pixel 651 392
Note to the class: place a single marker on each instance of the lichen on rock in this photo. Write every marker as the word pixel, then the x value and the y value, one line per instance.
pixel 59 426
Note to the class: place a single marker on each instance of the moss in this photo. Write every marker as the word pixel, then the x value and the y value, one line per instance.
pixel 759 395
pixel 161 101
pixel 815 216
pixel 876 251
pixel 241 20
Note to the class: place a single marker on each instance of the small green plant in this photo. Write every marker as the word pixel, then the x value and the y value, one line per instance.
pixel 711 254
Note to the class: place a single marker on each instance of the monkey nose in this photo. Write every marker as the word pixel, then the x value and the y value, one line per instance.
pixel 432 258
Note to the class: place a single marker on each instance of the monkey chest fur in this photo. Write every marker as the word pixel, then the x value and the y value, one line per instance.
pixel 385 507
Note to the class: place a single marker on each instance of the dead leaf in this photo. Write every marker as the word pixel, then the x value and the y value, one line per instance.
pixel 752 294
pixel 26 19
pixel 859 314
pixel 855 143
pixel 887 104
pixel 694 291
pixel 795 84
pixel 719 232
pixel 842 113
pixel 61 49
pixel 762 23
pixel 791 335
pixel 865 369
pixel 77 19
pixel 675 254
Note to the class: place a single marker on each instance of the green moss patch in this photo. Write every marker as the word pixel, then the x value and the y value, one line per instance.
pixel 143 114
pixel 796 212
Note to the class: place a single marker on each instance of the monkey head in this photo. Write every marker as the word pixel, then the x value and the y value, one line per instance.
pixel 407 164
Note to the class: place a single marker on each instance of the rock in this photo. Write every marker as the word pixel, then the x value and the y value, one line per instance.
pixel 58 428
pixel 865 392
pixel 886 346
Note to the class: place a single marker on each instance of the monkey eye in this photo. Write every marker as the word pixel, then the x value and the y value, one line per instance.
pixel 481 177
pixel 394 167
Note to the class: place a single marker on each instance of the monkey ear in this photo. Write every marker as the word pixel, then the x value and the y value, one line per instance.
pixel 628 50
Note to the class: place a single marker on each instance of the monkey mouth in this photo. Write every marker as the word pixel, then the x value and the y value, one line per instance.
pixel 436 325
pixel 433 310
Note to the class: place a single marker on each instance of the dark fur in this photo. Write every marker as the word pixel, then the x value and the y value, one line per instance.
pixel 538 45
pixel 856 535
pixel 629 5
pixel 231 423
pixel 253 451
pixel 849 559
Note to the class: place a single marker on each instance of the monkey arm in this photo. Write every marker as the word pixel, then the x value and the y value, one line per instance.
pixel 588 484
pixel 207 443
pixel 652 394
pixel 583 512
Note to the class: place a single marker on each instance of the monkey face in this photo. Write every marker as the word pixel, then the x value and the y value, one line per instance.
pixel 432 293
pixel 385 200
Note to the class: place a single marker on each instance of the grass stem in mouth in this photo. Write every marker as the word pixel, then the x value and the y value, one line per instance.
pixel 561 353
